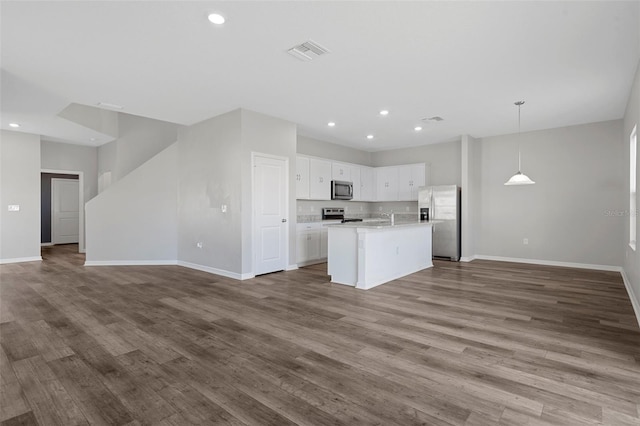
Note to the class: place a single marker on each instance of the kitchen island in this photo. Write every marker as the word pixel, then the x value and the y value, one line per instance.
pixel 365 255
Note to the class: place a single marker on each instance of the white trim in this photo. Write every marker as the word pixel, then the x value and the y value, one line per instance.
pixel 129 262
pixel 81 242
pixel 551 263
pixel 46 244
pixel 468 258
pixel 20 259
pixel 215 271
pixel 635 302
pixel 292 267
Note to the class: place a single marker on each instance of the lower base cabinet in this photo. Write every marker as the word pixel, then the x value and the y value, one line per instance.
pixel 311 243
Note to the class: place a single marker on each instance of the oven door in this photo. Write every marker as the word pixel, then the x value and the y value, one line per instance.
pixel 341 190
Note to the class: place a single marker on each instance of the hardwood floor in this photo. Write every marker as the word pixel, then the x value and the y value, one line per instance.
pixel 480 343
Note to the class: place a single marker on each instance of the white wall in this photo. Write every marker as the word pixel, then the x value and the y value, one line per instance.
pixel 136 220
pixel 266 135
pixel 139 139
pixel 579 178
pixel 19 184
pixel 443 161
pixel 210 156
pixel 324 149
pixel 471 195
pixel 68 157
pixel 631 258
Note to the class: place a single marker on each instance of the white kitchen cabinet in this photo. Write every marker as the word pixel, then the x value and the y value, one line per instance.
pixel 367 184
pixel 341 171
pixel 308 245
pixel 302 177
pixel 355 178
pixel 311 243
pixel 387 183
pixel 410 179
pixel 319 179
pixel 324 243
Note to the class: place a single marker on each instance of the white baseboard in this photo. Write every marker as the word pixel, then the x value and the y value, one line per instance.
pixel 468 258
pixel 292 267
pixel 129 262
pixel 20 259
pixel 209 269
pixel 45 244
pixel 551 263
pixel 635 302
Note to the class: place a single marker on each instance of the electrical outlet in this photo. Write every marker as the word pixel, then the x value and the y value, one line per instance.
pixel 14 207
pixel 361 208
pixel 380 208
pixel 223 208
pixel 525 241
pixel 407 208
pixel 199 244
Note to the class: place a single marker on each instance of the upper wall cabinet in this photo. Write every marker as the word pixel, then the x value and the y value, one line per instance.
pixel 302 177
pixel 387 183
pixel 313 179
pixel 341 171
pixel 367 184
pixel 410 178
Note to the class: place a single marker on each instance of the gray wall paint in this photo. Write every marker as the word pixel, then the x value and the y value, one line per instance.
pixel 443 161
pixel 139 140
pixel 266 135
pixel 579 177
pixel 323 149
pixel 631 259
pixel 210 155
pixel 45 203
pixel 136 219
pixel 471 196
pixel 19 184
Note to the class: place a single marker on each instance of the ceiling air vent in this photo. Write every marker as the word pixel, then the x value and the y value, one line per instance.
pixel 436 118
pixel 307 51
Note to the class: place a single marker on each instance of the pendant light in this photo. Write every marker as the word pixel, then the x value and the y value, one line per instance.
pixel 519 178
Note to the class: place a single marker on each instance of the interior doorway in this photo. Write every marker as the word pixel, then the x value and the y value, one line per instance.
pixel 47 208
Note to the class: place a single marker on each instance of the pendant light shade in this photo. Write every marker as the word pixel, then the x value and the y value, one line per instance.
pixel 519 178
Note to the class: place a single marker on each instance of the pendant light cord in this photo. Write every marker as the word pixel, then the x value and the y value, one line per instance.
pixel 519 104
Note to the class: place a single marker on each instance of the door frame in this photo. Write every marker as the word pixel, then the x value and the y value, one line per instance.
pixel 254 233
pixel 81 247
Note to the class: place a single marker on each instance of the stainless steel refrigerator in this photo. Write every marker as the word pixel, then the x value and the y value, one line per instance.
pixel 443 204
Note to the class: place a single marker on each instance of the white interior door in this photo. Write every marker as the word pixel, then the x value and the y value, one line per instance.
pixel 65 211
pixel 270 202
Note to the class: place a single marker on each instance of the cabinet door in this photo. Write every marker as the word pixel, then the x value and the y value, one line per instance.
pixel 302 178
pixel 357 185
pixel 341 171
pixel 367 184
pixel 410 179
pixel 387 183
pixel 324 243
pixel 319 179
pixel 308 245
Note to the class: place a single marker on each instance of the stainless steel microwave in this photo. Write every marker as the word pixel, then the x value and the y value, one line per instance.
pixel 341 190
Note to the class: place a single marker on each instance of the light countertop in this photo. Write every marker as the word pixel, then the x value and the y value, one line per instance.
pixel 382 224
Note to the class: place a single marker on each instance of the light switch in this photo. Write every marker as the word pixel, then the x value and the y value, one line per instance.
pixel 223 208
pixel 14 207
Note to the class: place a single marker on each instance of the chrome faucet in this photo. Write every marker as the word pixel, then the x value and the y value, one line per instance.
pixel 391 216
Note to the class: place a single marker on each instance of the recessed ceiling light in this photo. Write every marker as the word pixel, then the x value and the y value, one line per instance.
pixel 14 125
pixel 216 18
pixel 331 124
pixel 384 112
pixel 369 136
pixel 417 128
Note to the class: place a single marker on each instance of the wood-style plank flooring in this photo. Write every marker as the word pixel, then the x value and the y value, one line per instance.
pixel 480 343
